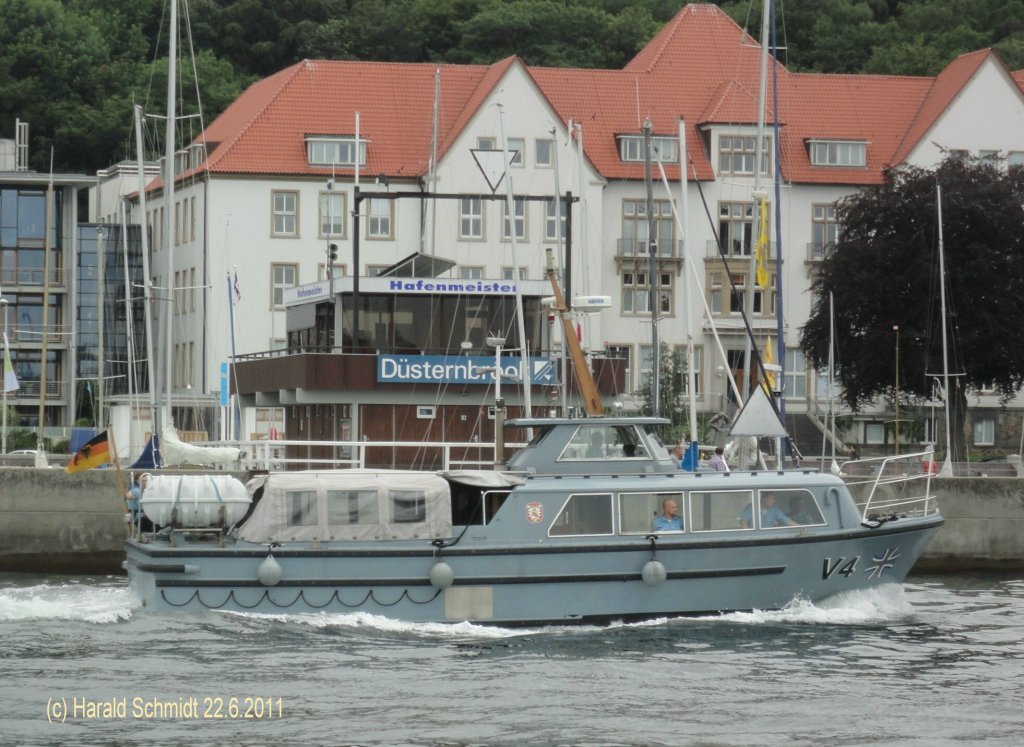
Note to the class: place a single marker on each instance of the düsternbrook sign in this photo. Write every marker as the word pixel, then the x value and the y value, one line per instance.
pixel 457 369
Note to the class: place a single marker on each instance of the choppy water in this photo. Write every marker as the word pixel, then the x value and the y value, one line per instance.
pixel 938 661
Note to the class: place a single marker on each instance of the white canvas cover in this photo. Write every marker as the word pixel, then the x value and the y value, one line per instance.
pixel 349 505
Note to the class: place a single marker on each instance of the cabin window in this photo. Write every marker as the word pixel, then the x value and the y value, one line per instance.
pixel 800 506
pixel 408 506
pixel 584 514
pixel 346 507
pixel 302 508
pixel 774 504
pixel 493 501
pixel 637 511
pixel 719 510
pixel 605 442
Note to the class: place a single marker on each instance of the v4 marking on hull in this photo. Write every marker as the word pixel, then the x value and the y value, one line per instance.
pixel 842 566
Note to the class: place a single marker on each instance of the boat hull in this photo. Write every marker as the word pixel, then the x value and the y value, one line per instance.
pixel 595 580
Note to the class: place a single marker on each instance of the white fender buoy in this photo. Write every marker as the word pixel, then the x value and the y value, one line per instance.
pixel 441 575
pixel 653 573
pixel 270 572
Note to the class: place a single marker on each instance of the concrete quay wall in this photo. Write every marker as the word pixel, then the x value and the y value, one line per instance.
pixel 53 522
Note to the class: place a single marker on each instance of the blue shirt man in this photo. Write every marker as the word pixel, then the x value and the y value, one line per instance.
pixel 771 515
pixel 669 520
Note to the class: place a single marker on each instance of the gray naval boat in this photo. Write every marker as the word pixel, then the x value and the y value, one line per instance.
pixel 571 532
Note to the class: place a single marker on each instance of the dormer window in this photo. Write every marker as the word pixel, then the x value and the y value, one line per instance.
pixel 334 150
pixel 664 149
pixel 838 153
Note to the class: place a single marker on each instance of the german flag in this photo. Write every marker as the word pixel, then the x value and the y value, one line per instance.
pixel 93 454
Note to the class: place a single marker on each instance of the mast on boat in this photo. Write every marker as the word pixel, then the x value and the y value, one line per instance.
pixel 588 389
pixel 147 286
pixel 947 464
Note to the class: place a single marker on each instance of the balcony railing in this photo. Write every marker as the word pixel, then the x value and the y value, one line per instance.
pixel 737 249
pixel 31 277
pixel 817 251
pixel 641 248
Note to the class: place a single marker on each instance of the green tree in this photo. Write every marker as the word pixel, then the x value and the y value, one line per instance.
pixel 883 274
pixel 673 401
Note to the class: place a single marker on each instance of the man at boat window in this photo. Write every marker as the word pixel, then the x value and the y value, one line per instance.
pixel 677 456
pixel 669 519
pixel 798 511
pixel 771 515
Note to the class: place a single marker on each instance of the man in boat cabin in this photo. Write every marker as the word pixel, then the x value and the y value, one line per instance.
pixel 771 515
pixel 669 519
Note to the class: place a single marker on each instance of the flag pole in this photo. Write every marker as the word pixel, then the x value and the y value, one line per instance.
pixel 118 474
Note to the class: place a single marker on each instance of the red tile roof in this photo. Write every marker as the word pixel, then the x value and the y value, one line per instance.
pixel 701 67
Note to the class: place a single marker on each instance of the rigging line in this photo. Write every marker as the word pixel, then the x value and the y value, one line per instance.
pixel 734 295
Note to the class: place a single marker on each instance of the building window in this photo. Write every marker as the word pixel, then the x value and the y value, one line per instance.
pixel 192 290
pixel 736 154
pixel 467 272
pixel 286 214
pixel 736 227
pixel 486 143
pixel 664 149
pixel 471 218
pixel 636 292
pixel 426 412
pixel 506 273
pixel 519 205
pixel 824 231
pixel 838 153
pixel 1015 158
pixel 796 374
pixel 517 149
pixel 373 271
pixel 874 433
pixel 380 214
pixel 624 353
pixel 646 365
pixel 984 432
pixel 543 153
pixel 282 276
pixel 338 271
pixel 719 290
pixel 550 222
pixel 680 356
pixel 635 227
pixel 332 215
pixel 337 150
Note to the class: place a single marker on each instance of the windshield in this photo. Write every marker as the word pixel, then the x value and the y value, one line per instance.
pixel 659 449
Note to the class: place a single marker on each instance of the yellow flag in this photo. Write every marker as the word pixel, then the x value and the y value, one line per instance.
pixel 761 248
pixel 767 359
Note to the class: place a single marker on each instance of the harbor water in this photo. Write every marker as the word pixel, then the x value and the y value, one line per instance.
pixel 937 661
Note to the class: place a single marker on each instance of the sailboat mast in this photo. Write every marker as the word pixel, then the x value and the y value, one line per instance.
pixel 691 375
pixel 947 464
pixel 147 286
pixel 169 222
pixel 524 351
pixel 652 271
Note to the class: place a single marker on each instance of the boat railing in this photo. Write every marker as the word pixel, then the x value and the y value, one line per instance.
pixel 892 485
pixel 275 455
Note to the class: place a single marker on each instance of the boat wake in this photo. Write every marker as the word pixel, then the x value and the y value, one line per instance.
pixel 883 604
pixel 67 601
pixel 880 605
